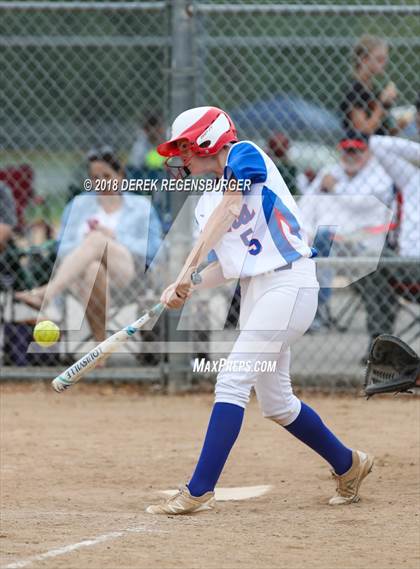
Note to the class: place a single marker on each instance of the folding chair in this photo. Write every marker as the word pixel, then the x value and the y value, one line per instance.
pixel 13 275
pixel 408 292
pixel 20 180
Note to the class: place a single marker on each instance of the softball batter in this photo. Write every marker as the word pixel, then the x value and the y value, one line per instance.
pixel 257 237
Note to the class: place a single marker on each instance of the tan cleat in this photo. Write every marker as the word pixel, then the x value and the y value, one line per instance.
pixel 184 503
pixel 348 484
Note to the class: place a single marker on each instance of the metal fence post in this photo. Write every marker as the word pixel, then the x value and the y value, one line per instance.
pixel 181 98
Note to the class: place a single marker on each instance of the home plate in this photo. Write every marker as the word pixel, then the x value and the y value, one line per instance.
pixel 238 493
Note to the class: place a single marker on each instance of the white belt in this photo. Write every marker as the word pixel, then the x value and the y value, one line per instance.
pixel 282 268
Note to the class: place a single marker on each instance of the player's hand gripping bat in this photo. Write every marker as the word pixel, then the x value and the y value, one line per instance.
pixel 217 225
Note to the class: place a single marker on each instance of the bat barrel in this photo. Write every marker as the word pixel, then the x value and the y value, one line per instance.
pixel 76 371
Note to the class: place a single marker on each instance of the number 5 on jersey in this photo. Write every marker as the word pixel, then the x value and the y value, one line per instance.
pixel 254 246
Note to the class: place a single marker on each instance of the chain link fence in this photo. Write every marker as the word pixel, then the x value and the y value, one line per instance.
pixel 90 83
pixel 83 80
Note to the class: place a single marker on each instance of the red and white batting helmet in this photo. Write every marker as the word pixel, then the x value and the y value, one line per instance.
pixel 207 129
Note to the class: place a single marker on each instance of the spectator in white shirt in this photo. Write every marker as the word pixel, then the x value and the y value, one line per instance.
pixel 106 238
pixel 400 159
pixel 357 227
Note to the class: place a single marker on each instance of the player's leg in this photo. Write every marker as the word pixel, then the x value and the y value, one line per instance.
pixel 232 394
pixel 266 311
pixel 278 403
pixel 279 315
pixel 223 430
pixel 264 318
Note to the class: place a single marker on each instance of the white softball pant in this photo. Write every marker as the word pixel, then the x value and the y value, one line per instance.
pixel 276 310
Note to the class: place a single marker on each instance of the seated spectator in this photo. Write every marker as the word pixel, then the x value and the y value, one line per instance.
pixel 103 235
pixel 8 220
pixel 400 159
pixel 304 180
pixel 143 155
pixel 278 150
pixel 357 174
pixel 366 107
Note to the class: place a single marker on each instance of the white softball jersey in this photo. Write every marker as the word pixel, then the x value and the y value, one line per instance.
pixel 268 232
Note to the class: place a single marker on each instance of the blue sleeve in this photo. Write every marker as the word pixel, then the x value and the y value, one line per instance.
pixel 245 162
pixel 212 256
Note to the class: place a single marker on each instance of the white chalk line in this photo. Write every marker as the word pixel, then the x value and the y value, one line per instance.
pixel 239 493
pixel 76 513
pixel 74 546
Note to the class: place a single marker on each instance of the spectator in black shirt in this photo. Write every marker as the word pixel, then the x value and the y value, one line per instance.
pixel 365 108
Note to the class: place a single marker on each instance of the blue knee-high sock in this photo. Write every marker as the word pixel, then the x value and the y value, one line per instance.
pixel 309 428
pixel 222 432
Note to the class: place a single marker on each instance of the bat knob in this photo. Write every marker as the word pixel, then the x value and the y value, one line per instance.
pixel 58 385
pixel 196 278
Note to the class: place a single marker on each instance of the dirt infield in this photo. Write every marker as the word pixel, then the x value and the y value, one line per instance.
pixel 83 466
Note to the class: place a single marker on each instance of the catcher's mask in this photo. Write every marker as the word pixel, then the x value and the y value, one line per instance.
pixel 177 167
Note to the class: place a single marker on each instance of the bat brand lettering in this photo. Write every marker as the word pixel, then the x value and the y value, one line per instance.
pixel 78 366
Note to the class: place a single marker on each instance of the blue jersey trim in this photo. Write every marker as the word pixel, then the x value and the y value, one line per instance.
pixel 212 256
pixel 245 163
pixel 271 202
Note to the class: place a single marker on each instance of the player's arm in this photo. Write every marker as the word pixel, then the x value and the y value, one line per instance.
pixel 217 225
pixel 211 277
pixel 245 163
